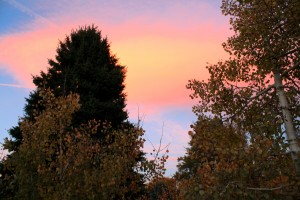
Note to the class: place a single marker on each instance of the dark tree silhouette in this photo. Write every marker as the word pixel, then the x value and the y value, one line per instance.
pixel 84 65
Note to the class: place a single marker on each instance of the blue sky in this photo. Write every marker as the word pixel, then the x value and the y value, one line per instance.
pixel 173 41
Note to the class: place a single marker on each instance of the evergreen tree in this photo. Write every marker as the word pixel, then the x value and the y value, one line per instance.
pixel 84 65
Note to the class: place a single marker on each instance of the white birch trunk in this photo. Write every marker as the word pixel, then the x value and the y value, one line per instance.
pixel 288 121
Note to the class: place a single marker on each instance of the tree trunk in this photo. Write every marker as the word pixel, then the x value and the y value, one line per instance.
pixel 288 122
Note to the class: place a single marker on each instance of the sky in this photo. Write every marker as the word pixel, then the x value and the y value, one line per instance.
pixel 162 43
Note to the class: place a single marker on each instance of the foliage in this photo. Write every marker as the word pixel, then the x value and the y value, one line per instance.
pixel 257 88
pixel 242 152
pixel 222 164
pixel 163 188
pixel 58 161
pixel 7 182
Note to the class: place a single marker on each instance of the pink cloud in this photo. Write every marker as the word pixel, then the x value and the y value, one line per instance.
pixel 158 66
pixel 160 55
pixel 26 54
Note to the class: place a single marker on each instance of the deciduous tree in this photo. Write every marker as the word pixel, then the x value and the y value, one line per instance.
pixel 162 188
pixel 58 161
pixel 221 163
pixel 242 151
pixel 258 86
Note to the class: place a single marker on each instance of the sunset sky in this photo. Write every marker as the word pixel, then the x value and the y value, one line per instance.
pixel 163 44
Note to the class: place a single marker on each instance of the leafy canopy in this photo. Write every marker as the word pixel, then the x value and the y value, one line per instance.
pixel 258 86
pixel 58 161
pixel 242 151
pixel 221 163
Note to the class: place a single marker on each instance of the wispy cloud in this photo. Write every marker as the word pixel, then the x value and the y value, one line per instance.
pixel 24 9
pixel 15 86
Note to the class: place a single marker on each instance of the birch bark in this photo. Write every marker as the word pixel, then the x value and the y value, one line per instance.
pixel 288 121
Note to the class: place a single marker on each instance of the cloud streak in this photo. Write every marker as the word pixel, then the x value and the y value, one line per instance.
pixel 14 85
pixel 30 12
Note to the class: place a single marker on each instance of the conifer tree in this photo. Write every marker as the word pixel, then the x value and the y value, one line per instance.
pixel 84 65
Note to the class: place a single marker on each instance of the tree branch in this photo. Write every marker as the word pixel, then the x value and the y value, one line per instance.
pixel 289 52
pixel 267 189
pixel 248 100
pixel 235 86
pixel 284 73
pixel 262 92
pixel 160 141
pixel 297 89
pixel 254 188
pixel 150 142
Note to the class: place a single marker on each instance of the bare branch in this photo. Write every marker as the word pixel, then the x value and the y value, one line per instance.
pixel 140 120
pixel 165 147
pixel 138 125
pixel 150 142
pixel 160 141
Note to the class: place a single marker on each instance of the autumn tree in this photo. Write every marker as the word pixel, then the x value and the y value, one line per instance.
pixel 162 188
pixel 258 86
pixel 59 161
pixel 222 163
pixel 241 152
